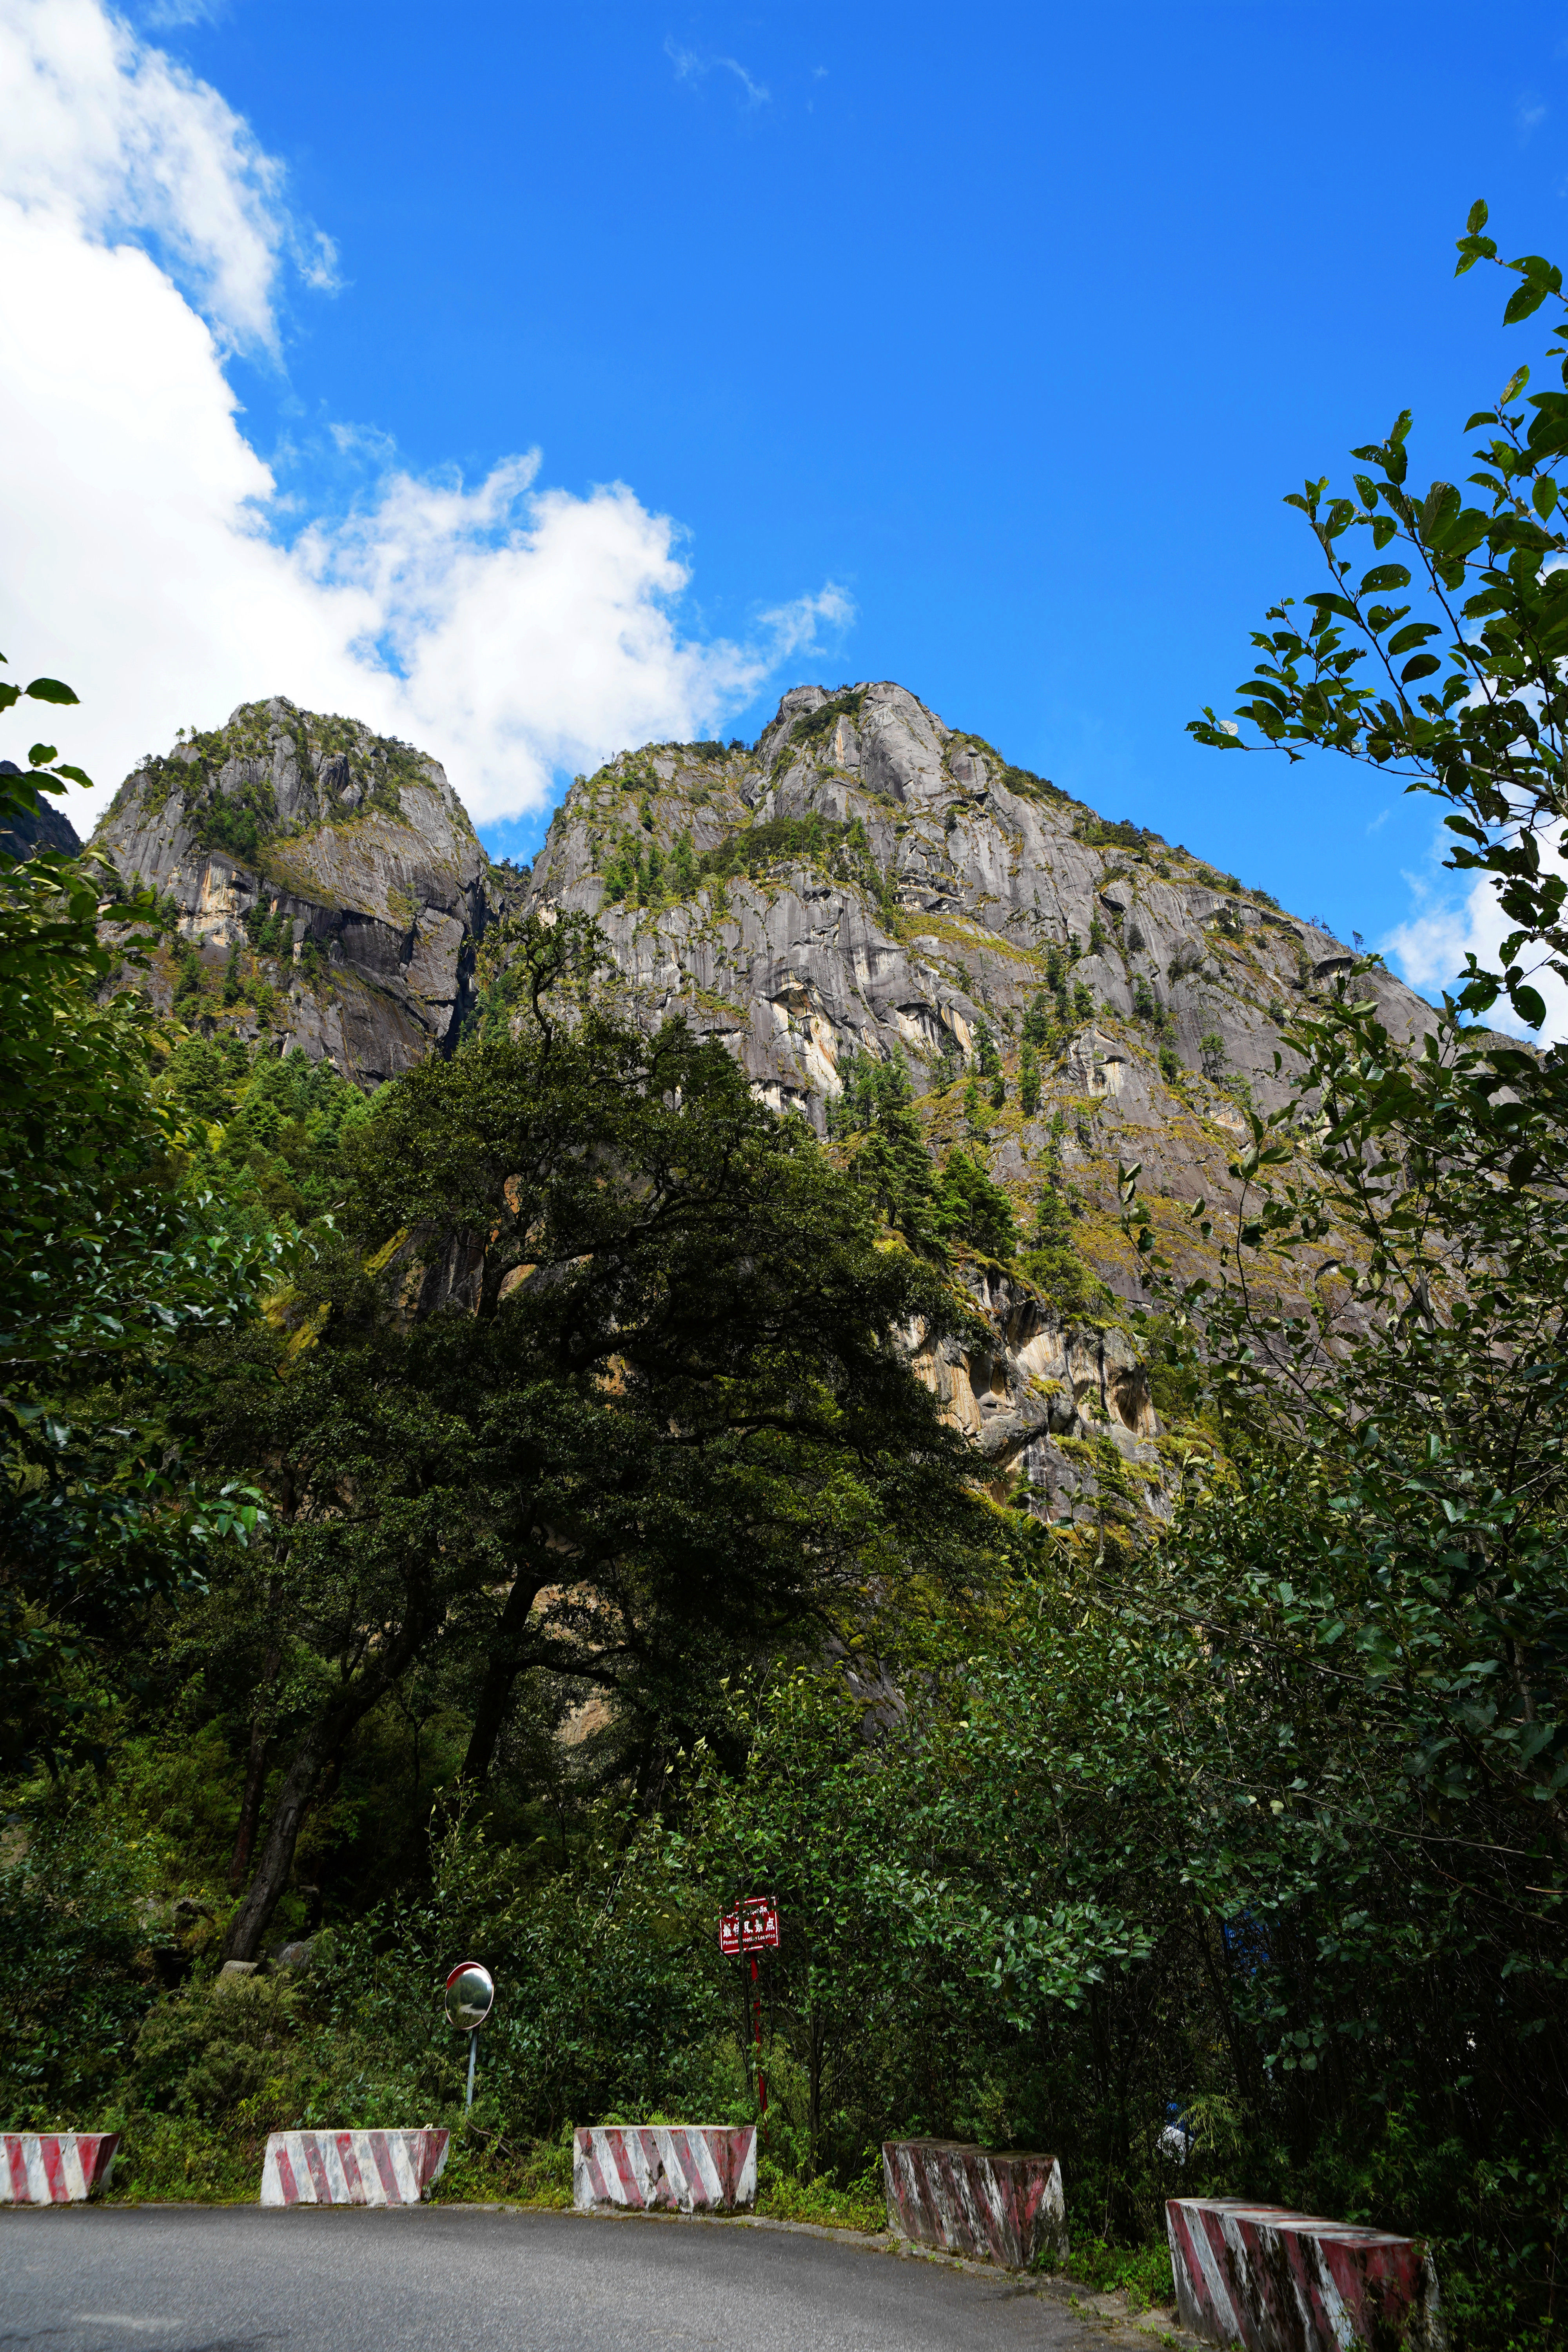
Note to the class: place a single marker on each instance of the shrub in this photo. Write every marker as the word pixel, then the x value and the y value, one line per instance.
pixel 971 1207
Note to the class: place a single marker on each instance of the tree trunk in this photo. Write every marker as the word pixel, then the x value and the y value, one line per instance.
pixel 255 1775
pixel 506 1662
pixel 814 2094
pixel 322 1745
pixel 249 1922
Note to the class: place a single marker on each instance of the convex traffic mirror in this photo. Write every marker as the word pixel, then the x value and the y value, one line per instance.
pixel 470 1989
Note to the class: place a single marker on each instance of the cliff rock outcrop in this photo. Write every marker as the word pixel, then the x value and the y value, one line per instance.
pixel 863 883
pixel 891 881
pixel 867 881
pixel 340 859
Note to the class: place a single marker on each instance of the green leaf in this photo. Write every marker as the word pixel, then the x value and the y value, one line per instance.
pixel 1543 496
pixel 1462 535
pixel 1514 385
pixel 1422 666
pixel 1476 217
pixel 49 689
pixel 1326 602
pixel 1384 576
pixel 1414 633
pixel 1481 416
pixel 1528 1003
pixel 1521 303
pixel 76 775
pixel 41 755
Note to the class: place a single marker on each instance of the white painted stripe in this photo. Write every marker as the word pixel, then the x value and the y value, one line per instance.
pixel 1208 2264
pixel 1334 2311
pixel 1233 2229
pixel 708 2170
pixel 997 2202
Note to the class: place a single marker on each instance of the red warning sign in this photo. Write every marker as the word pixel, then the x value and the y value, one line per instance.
pixel 752 1926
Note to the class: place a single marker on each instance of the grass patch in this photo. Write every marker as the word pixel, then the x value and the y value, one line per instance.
pixel 174 2160
pixel 1141 2273
pixel 861 2206
pixel 484 2168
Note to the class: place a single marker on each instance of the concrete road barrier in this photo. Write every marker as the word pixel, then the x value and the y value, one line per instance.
pixel 54 2167
pixel 352 2167
pixel 1275 2280
pixel 684 2168
pixel 970 2200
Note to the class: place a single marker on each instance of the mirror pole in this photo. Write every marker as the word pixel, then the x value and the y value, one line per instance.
pixel 473 2053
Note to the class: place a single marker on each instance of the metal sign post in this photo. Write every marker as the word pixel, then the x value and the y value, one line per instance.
pixel 753 1927
pixel 470 1993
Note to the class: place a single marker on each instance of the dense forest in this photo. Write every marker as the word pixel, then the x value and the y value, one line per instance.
pixel 499 1517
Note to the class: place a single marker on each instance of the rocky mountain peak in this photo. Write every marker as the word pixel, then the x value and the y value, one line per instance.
pixel 868 890
pixel 867 879
pixel 339 859
pixel 865 896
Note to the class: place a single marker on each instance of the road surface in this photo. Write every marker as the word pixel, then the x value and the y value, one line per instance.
pixel 447 2279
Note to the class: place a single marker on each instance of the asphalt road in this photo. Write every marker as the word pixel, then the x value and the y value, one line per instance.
pixel 444 2279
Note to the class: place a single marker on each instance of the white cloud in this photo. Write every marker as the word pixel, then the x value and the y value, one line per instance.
pixel 109 135
pixel 511 628
pixel 1430 948
pixel 690 65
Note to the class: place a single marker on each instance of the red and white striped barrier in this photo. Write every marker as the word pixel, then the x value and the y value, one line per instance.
pixel 54 2167
pixel 1274 2281
pixel 684 2168
pixel 966 2200
pixel 350 2168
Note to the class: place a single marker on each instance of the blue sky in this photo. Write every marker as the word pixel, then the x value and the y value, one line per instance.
pixel 982 344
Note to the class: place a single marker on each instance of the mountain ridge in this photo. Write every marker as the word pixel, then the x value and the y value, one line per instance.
pixel 864 890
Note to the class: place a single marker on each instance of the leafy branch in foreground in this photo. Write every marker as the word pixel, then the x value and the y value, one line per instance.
pixel 1443 664
pixel 102 1259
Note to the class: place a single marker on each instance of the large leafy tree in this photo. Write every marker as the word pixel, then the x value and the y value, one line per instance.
pixel 606 1382
pixel 1428 1366
pixel 1381 1570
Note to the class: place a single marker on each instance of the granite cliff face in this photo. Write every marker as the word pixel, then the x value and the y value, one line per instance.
pixel 340 863
pixel 865 882
pixel 966 873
